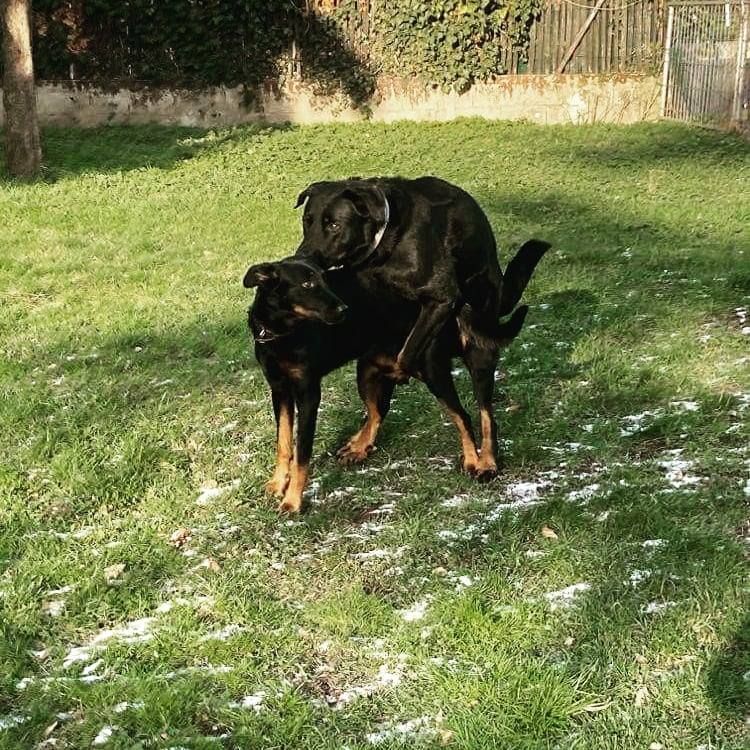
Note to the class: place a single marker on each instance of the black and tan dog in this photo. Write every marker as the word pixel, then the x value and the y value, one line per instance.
pixel 422 251
pixel 303 329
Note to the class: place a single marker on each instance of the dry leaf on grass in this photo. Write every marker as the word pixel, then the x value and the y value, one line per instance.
pixel 113 572
pixel 641 695
pixel 180 537
pixel 210 564
pixel 548 533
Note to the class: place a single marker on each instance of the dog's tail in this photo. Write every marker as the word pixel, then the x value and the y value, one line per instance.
pixel 519 272
pixel 500 335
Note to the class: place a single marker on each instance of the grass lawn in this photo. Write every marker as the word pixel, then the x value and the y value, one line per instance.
pixel 595 596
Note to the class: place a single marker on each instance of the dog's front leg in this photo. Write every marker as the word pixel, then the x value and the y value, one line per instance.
pixel 432 317
pixel 283 410
pixel 307 401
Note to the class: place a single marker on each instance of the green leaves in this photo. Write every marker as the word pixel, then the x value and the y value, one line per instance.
pixel 450 43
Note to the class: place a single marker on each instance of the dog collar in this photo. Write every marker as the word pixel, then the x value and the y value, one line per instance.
pixel 387 213
pixel 265 336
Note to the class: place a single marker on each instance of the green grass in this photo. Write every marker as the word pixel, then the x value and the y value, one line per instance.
pixel 128 385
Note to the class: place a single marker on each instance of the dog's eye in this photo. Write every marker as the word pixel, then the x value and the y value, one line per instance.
pixel 334 226
pixel 308 284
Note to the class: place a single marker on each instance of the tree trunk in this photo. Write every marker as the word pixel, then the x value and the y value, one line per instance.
pixel 23 149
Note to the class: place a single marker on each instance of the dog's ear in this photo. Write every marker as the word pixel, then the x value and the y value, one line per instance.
pixel 259 274
pixel 309 191
pixel 360 199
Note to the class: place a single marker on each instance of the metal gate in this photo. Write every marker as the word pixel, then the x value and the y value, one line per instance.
pixel 706 73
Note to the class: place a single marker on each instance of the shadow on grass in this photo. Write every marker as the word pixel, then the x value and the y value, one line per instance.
pixel 118 148
pixel 728 679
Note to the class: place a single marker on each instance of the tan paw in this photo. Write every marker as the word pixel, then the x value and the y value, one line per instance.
pixel 277 485
pixel 468 466
pixel 354 453
pixel 290 504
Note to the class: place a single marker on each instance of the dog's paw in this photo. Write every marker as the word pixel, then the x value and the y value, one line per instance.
pixel 352 453
pixel 486 474
pixel 290 504
pixel 277 485
pixel 468 466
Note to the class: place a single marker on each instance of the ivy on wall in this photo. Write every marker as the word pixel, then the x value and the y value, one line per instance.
pixel 337 43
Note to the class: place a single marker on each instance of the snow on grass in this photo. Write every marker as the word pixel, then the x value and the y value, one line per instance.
pixel 653 608
pixel 654 543
pixel 209 494
pixel 566 597
pixel 638 576
pixel 136 631
pixel 417 610
pixel 12 720
pixel 585 493
pixel 223 634
pixel 379 554
pixel 253 702
pixel 634 423
pixel 421 729
pixel 678 470
pixel 104 736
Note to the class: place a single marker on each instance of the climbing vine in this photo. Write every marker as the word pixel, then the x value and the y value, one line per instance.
pixel 332 43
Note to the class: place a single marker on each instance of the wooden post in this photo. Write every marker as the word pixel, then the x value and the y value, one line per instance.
pixel 23 149
pixel 579 36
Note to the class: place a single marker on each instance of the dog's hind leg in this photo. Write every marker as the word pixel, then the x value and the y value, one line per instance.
pixel 283 409
pixel 481 362
pixel 437 377
pixel 376 391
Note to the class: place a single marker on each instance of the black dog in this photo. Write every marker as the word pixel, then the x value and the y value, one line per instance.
pixel 423 251
pixel 304 330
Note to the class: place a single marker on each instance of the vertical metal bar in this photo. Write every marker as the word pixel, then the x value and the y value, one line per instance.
pixel 667 60
pixel 704 103
pixel 740 71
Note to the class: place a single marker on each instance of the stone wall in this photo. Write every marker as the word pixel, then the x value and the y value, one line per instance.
pixel 537 98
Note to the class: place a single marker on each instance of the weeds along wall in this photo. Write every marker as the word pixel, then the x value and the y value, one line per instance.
pixel 332 43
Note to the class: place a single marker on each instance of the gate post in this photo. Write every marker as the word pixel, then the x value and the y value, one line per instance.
pixel 739 81
pixel 667 57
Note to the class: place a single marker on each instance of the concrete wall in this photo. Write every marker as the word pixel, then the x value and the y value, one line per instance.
pixel 538 98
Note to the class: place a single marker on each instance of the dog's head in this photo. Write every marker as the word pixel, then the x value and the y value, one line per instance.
pixel 343 222
pixel 291 290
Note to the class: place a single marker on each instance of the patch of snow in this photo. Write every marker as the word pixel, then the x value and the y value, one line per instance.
pixel 654 607
pixel 585 493
pixel 460 582
pixel 254 702
pixel 455 502
pixel 136 631
pixel 60 592
pixel 567 596
pixel 124 706
pixel 105 733
pixel 91 668
pixel 416 612
pixel 678 470
pixel 223 634
pixel 386 677
pixel 208 494
pixel 686 405
pixel 534 554
pixel 379 554
pixel 419 729
pixel 634 423
pixel 12 720
pixel 654 543
pixel 638 576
